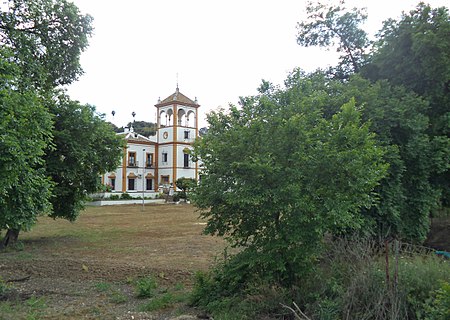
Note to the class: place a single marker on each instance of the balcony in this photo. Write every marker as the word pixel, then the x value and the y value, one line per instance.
pixel 149 164
pixel 132 164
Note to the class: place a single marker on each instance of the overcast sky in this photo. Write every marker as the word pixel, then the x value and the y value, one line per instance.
pixel 220 50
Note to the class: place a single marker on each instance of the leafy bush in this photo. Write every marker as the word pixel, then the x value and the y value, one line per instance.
pixel 419 278
pixel 231 291
pixel 438 307
pixel 114 197
pixel 352 280
pixel 145 287
pixel 348 282
pixel 126 196
pixel 176 197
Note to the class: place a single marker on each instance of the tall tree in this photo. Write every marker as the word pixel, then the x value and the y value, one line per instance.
pixel 25 133
pixel 277 176
pixel 397 116
pixel 336 26
pixel 414 52
pixel 411 53
pixel 84 145
pixel 47 38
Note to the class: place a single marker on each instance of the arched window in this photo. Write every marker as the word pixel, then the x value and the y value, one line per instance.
pixel 190 119
pixel 181 117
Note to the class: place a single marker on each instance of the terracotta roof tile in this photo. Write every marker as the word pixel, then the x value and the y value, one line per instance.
pixel 177 96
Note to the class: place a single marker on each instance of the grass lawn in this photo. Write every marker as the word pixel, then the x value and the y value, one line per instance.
pixel 93 268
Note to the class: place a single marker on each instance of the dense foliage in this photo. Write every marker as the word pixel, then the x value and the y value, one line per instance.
pixel 186 185
pixel 47 38
pixel 275 180
pixel 410 55
pixel 414 52
pixel 25 133
pixel 53 149
pixel 350 282
pixel 83 147
pixel 277 176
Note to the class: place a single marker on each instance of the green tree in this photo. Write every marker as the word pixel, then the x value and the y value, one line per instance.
pixel 143 127
pixel 84 146
pixel 277 176
pixel 25 133
pixel 336 26
pixel 47 38
pixel 414 52
pixel 186 185
pixel 397 116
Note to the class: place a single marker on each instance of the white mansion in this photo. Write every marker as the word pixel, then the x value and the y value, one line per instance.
pixel 151 162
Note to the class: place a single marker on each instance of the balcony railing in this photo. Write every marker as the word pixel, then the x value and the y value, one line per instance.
pixel 149 164
pixel 132 164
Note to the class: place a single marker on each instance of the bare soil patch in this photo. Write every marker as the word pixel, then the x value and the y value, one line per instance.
pixel 87 269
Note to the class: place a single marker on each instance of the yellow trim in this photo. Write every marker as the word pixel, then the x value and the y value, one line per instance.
pixel 174 164
pixel 174 147
pixel 156 166
pixel 124 170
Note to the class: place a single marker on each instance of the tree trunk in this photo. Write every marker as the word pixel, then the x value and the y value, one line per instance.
pixel 10 238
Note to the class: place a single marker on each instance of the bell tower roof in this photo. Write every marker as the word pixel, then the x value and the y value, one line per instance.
pixel 177 98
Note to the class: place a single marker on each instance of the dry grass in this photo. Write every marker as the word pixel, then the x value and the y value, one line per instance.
pixel 112 244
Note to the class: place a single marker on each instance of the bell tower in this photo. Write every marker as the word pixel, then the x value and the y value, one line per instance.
pixel 177 128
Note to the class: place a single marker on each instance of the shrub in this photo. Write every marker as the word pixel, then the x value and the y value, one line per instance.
pixel 438 307
pixel 231 291
pixel 145 287
pixel 176 197
pixel 349 282
pixel 126 196
pixel 114 197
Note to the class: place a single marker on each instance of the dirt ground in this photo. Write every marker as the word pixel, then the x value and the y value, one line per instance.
pixel 88 269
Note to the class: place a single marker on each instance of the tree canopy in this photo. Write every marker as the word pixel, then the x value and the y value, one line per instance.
pixel 414 52
pixel 83 147
pixel 411 53
pixel 58 146
pixel 336 26
pixel 47 38
pixel 25 133
pixel 277 176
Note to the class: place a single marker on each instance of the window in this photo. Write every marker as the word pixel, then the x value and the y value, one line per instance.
pixel 186 160
pixel 165 179
pixel 148 184
pixel 132 159
pixel 164 157
pixel 112 183
pixel 186 135
pixel 131 183
pixel 149 160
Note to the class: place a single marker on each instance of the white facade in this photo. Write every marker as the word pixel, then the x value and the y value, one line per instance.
pixel 148 163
